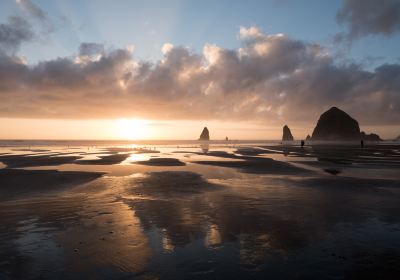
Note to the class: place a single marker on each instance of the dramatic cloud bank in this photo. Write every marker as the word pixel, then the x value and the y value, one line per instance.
pixel 270 78
pixel 365 17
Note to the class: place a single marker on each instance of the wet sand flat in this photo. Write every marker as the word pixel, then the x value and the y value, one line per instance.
pixel 13 161
pixel 162 162
pixel 21 183
pixel 218 212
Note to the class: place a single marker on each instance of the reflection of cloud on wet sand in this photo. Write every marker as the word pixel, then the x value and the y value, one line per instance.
pixel 248 218
pixel 196 212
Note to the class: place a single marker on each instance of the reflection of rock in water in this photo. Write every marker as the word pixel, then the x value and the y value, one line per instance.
pixel 285 151
pixel 205 148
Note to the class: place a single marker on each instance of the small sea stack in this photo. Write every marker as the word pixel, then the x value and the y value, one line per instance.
pixel 287 134
pixel 205 135
pixel 370 137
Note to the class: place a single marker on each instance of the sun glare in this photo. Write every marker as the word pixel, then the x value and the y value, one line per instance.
pixel 132 129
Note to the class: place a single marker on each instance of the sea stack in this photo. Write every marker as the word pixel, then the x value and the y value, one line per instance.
pixel 335 124
pixel 205 135
pixel 370 137
pixel 287 135
pixel 308 138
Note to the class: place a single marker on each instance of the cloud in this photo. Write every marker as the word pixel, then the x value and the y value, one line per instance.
pixel 249 33
pixel 37 13
pixel 166 48
pixel 270 78
pixel 89 52
pixel 32 9
pixel 369 17
pixel 13 33
pixel 91 49
pixel 18 30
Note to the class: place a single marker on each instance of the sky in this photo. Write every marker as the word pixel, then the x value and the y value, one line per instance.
pixel 165 69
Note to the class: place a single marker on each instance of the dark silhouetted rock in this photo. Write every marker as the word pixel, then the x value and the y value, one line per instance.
pixel 398 138
pixel 370 137
pixel 205 135
pixel 287 135
pixel 335 124
pixel 308 137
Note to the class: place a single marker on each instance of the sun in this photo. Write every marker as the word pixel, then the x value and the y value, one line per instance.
pixel 132 129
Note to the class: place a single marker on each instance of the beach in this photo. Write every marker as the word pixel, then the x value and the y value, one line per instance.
pixel 199 210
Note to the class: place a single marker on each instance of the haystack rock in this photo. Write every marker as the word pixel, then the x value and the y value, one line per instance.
pixel 287 135
pixel 370 137
pixel 335 124
pixel 205 135
pixel 308 137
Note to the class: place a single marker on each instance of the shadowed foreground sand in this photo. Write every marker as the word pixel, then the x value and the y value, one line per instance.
pixel 251 212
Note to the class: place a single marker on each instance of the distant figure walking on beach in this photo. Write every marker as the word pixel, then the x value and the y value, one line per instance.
pixel 302 144
pixel 362 143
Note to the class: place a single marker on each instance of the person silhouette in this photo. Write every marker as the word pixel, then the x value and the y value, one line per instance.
pixel 302 144
pixel 362 143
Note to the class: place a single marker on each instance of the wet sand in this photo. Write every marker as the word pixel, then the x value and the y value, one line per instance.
pixel 27 183
pixel 14 161
pixel 107 159
pixel 249 212
pixel 162 162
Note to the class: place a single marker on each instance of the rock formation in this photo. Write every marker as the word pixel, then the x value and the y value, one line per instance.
pixel 205 135
pixel 308 138
pixel 335 124
pixel 370 137
pixel 287 135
